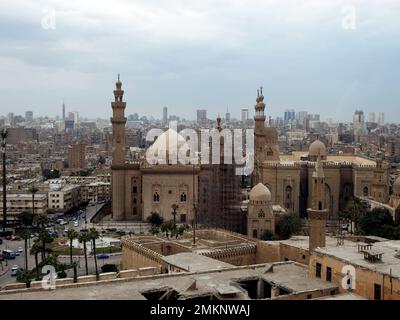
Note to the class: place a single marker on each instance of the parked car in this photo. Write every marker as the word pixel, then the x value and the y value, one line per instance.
pixel 76 223
pixel 14 270
pixel 20 250
pixel 15 238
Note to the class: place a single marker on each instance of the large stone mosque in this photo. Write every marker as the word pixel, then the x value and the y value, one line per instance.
pixel 212 194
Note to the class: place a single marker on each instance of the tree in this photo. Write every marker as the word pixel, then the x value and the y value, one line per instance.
pixel 288 225
pixel 71 234
pixel 84 238
pixel 168 227
pixel 174 213
pixel 93 235
pixel 154 230
pixel 44 237
pixel 35 249
pixel 51 174
pixel 25 276
pixel 26 218
pixel 41 220
pixel 25 234
pixel 33 190
pixel 268 235
pixel 354 211
pixel 377 222
pixel 155 219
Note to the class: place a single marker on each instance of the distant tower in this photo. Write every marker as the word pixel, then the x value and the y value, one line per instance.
pixel 118 154
pixel 165 115
pixel 63 111
pixel 227 115
pixel 317 214
pixel 265 140
pixel 259 118
pixel 118 125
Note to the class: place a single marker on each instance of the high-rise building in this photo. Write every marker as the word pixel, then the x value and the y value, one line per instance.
pixel 165 114
pixel 381 119
pixel 289 115
pixel 11 119
pixel 245 115
pixel 29 116
pixel 301 116
pixel 227 115
pixel 359 125
pixel 63 111
pixel 371 117
pixel 77 156
pixel 201 116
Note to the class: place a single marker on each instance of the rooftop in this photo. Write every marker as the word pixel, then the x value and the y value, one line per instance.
pixel 349 253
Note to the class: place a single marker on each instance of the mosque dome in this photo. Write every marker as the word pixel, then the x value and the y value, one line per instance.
pixel 317 148
pixel 260 193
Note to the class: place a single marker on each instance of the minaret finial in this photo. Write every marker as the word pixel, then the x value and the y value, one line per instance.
pixel 118 76
pixel 261 89
pixel 258 93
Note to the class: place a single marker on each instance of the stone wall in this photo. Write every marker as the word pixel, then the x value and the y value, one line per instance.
pixel 364 278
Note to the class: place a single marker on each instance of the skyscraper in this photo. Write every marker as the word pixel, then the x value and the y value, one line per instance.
pixel 381 119
pixel 201 116
pixel 227 115
pixel 245 115
pixel 28 116
pixel 289 115
pixel 165 115
pixel 371 117
pixel 63 111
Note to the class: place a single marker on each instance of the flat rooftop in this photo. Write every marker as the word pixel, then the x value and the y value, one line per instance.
pixel 289 275
pixel 348 252
pixel 190 261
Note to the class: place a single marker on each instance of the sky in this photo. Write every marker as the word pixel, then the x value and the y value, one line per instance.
pixel 329 56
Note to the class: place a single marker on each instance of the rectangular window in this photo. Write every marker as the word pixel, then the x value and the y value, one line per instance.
pixel 318 270
pixel 328 274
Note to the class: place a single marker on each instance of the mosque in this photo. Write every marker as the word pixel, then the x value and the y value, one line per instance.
pixel 211 194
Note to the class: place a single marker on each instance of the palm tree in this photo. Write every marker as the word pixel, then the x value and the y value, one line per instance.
pixel 94 234
pixel 83 238
pixel 174 213
pixel 71 234
pixel 4 134
pixel 33 190
pixel 35 249
pixel 25 234
pixel 44 237
pixel 41 220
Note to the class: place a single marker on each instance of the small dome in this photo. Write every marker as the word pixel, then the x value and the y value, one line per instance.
pixel 260 193
pixel 396 186
pixel 317 148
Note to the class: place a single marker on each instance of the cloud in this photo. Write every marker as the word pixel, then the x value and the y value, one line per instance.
pixel 225 49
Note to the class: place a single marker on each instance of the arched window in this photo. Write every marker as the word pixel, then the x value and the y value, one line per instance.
pixel 156 197
pixel 288 197
pixel 254 233
pixel 183 197
pixel 365 192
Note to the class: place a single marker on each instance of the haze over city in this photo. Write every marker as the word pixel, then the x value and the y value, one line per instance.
pixel 323 57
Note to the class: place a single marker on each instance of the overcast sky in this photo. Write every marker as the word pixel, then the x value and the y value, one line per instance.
pixel 213 54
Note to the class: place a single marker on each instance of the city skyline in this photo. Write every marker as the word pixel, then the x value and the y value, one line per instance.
pixel 319 57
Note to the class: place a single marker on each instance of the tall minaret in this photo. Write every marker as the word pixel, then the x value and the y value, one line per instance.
pixel 317 213
pixel 259 118
pixel 118 126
